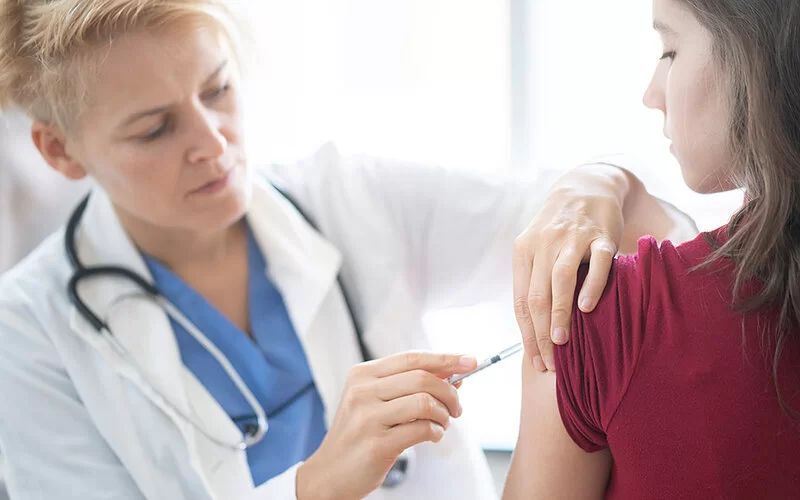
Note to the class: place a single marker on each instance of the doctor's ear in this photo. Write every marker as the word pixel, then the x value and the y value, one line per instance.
pixel 52 144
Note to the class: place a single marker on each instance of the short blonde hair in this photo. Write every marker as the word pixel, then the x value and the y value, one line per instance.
pixel 48 47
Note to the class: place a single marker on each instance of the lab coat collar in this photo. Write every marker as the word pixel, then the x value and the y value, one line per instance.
pixel 303 265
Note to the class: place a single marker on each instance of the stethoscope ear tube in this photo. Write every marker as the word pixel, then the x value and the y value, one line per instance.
pixel 399 470
pixel 82 272
pixel 70 248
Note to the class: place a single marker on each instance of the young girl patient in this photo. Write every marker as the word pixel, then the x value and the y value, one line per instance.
pixel 685 381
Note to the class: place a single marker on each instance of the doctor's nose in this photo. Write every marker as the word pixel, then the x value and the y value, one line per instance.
pixel 208 141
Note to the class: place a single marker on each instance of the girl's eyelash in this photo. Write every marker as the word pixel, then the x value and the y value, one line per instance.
pixel 668 55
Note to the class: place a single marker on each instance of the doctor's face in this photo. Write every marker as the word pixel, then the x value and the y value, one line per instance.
pixel 162 133
pixel 689 90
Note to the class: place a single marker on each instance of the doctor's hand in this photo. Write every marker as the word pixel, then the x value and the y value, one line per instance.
pixel 388 406
pixel 581 220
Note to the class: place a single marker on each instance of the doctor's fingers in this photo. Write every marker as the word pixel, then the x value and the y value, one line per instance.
pixel 420 406
pixel 522 262
pixel 401 437
pixel 603 251
pixel 540 300
pixel 419 381
pixel 565 277
pixel 437 363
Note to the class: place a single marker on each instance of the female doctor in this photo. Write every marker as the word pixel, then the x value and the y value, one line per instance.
pixel 186 335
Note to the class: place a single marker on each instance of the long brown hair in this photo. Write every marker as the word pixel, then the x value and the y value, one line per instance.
pixel 756 46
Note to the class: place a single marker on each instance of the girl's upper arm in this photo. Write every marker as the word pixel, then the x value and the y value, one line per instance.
pixel 562 451
pixel 547 462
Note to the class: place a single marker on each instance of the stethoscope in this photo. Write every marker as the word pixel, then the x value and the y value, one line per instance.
pixel 252 433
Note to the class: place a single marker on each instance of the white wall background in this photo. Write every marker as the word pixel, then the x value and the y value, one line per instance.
pixel 412 79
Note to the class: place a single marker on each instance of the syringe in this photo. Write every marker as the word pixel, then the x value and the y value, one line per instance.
pixel 507 353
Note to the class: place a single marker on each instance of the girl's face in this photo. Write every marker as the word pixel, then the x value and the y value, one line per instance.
pixel 687 88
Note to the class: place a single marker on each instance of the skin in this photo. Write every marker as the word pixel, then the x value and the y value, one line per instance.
pixel 683 88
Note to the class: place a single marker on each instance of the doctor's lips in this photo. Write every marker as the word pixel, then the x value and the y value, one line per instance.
pixel 216 185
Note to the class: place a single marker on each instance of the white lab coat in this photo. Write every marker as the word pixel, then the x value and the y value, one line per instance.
pixel 76 421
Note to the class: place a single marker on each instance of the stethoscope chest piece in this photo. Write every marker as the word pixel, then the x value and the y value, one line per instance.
pixel 400 470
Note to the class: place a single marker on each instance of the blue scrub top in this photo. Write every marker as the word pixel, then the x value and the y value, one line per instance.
pixel 272 364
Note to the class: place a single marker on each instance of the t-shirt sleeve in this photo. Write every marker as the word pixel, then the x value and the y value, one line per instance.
pixel 594 368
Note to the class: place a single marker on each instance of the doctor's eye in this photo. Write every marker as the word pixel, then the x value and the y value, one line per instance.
pixel 217 93
pixel 156 133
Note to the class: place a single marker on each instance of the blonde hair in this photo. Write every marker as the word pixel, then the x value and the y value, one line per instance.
pixel 48 47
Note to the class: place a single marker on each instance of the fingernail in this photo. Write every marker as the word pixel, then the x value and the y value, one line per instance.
pixel 550 363
pixel 466 362
pixel 559 335
pixel 585 304
pixel 538 365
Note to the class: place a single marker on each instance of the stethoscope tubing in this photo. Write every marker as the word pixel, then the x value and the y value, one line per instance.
pixel 148 291
pixel 399 470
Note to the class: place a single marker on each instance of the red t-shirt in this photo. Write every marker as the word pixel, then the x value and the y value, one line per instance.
pixel 675 382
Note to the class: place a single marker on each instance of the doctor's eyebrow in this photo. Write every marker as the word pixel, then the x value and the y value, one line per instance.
pixel 161 109
pixel 216 72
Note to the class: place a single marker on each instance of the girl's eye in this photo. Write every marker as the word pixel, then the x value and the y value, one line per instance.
pixel 668 55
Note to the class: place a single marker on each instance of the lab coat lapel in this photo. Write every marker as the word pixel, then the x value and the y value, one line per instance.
pixel 304 267
pixel 299 260
pixel 140 325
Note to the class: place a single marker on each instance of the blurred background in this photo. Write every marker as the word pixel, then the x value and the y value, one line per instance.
pixel 487 85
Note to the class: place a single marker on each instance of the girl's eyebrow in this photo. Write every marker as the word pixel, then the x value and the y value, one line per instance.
pixel 663 28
